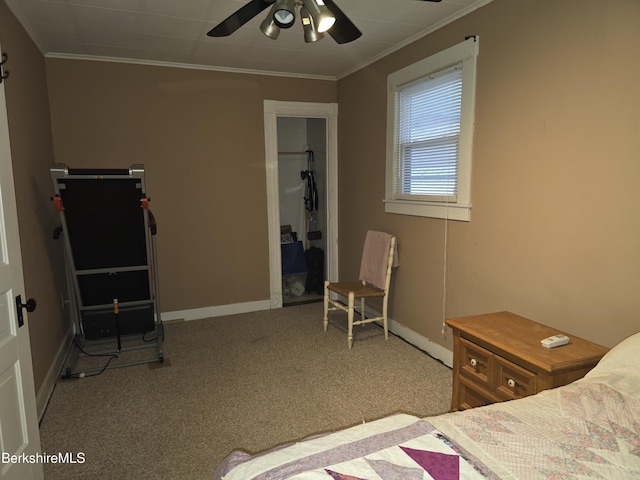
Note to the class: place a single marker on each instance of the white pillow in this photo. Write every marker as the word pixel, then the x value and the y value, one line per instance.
pixel 620 367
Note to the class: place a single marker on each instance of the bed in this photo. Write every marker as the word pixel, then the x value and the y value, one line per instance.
pixel 587 429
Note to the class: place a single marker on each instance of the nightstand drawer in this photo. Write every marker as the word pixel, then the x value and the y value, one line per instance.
pixel 513 381
pixel 471 396
pixel 476 363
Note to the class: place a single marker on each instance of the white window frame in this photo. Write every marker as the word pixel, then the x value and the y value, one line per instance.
pixel 464 53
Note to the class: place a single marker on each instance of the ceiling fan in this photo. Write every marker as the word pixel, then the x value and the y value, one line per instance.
pixel 317 16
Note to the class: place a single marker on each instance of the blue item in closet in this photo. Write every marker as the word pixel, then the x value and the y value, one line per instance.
pixel 293 258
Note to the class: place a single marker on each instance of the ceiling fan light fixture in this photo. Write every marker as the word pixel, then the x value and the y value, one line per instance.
pixel 284 13
pixel 311 34
pixel 320 17
pixel 323 19
pixel 269 28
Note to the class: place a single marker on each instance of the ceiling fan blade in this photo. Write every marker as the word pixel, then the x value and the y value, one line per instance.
pixel 239 18
pixel 344 30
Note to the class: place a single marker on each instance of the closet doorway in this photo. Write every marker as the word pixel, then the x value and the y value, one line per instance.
pixel 301 167
pixel 302 175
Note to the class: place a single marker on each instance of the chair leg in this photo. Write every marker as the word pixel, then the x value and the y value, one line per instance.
pixel 350 317
pixel 385 322
pixel 325 319
pixel 386 327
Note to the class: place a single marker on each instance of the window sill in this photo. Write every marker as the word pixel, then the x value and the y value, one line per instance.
pixel 450 211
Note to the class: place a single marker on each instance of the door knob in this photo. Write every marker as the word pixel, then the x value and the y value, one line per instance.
pixel 30 306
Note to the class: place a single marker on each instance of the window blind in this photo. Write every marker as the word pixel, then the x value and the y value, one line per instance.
pixel 428 130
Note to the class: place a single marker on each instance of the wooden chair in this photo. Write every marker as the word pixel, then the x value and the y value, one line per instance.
pixel 379 255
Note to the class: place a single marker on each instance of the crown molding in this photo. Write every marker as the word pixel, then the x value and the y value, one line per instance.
pixel 188 66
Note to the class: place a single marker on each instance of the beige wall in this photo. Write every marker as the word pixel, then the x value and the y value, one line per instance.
pixel 555 224
pixel 200 135
pixel 32 154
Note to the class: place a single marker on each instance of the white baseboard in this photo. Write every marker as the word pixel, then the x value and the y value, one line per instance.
pixel 46 389
pixel 423 343
pixel 216 311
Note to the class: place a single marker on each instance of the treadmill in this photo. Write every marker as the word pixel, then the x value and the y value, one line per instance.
pixel 110 256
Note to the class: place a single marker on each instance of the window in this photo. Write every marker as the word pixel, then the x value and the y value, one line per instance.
pixel 430 115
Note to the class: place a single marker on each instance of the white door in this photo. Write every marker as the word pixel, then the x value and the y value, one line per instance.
pixel 19 435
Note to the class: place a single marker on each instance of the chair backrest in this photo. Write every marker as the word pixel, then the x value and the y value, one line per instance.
pixel 379 255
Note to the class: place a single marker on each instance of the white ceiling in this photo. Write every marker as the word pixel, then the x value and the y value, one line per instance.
pixel 175 32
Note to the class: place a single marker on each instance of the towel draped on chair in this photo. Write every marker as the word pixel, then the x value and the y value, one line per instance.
pixel 375 254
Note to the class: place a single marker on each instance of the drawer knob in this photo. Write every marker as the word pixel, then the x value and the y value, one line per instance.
pixel 512 383
pixel 476 363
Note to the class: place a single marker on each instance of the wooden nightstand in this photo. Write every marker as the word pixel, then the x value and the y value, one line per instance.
pixel 498 357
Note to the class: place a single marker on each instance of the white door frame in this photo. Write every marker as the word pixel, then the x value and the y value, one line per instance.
pixel 272 110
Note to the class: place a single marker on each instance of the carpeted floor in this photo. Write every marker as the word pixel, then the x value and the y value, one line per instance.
pixel 248 381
